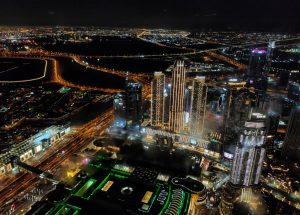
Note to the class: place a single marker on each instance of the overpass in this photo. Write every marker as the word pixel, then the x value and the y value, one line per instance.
pixel 41 174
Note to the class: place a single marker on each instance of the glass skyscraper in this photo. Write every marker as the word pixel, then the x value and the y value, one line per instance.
pixel 133 102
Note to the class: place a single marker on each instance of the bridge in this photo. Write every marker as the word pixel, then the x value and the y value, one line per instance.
pixel 41 174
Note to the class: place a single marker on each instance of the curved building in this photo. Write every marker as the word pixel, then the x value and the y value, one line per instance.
pixel 246 167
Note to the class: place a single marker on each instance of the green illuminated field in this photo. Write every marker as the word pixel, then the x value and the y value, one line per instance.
pixel 113 189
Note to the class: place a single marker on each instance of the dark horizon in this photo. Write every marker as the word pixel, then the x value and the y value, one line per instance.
pixel 246 15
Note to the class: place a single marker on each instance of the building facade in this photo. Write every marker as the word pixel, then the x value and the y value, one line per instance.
pixel 246 166
pixel 291 147
pixel 271 47
pixel 249 155
pixel 28 148
pixel 157 111
pixel 257 62
pixel 256 74
pixel 133 103
pixel 167 96
pixel 119 110
pixel 176 114
pixel 198 104
pixel 240 104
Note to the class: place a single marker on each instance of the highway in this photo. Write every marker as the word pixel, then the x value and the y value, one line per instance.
pixel 228 60
pixel 144 79
pixel 57 78
pixel 81 138
pixel 56 75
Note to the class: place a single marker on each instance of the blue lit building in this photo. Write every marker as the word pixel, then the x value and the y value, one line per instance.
pixel 133 104
pixel 294 91
pixel 119 110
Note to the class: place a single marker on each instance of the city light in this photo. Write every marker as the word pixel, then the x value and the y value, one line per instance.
pixel 203 119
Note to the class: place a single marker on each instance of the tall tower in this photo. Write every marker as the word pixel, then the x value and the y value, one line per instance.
pixel 167 96
pixel 198 103
pixel 187 103
pixel 176 115
pixel 257 62
pixel 157 99
pixel 246 166
pixel 291 147
pixel 249 155
pixel 257 77
pixel 119 110
pixel 271 47
pixel 133 102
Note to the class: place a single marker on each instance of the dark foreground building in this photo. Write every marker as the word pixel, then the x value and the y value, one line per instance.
pixel 291 148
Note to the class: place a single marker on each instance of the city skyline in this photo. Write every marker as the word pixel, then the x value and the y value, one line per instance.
pixel 233 15
pixel 158 107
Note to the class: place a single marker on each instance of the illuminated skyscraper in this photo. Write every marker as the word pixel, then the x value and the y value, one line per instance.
pixel 271 47
pixel 187 103
pixel 157 99
pixel 249 155
pixel 291 147
pixel 246 166
pixel 119 110
pixel 198 103
pixel 133 102
pixel 176 114
pixel 167 96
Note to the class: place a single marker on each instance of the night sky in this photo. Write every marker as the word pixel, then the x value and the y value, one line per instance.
pixel 269 15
